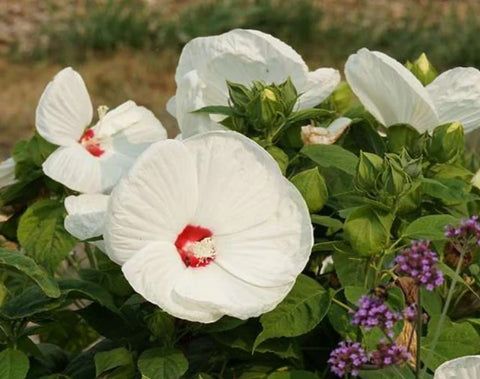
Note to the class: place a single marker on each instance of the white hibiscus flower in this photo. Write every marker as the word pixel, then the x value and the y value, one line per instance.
pixel 207 227
pixel 7 172
pixel 91 160
pixel 393 95
pixel 467 367
pixel 240 56
pixel 317 135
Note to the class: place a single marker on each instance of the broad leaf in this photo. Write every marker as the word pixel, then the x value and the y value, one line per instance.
pixel 117 362
pixel 332 156
pixel 162 364
pixel 311 185
pixel 303 308
pixel 429 227
pixel 13 364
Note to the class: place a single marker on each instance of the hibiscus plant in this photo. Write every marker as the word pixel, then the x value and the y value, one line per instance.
pixel 300 226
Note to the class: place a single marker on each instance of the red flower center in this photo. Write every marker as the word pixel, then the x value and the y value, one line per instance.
pixel 90 143
pixel 195 246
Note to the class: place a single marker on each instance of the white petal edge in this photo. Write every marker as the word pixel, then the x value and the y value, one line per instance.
pixel 7 172
pixel 64 109
pixel 86 215
pixel 272 253
pixel 320 84
pixel 153 202
pixel 317 135
pixel 154 271
pixel 467 367
pixel 239 183
pixel 212 287
pixel 456 95
pixel 389 90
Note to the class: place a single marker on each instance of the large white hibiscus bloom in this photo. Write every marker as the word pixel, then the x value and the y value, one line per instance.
pixel 207 227
pixel 7 172
pixel 467 367
pixel 240 56
pixel 91 160
pixel 393 95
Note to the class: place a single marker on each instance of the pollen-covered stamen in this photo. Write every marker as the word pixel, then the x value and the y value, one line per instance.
pixel 91 143
pixel 196 246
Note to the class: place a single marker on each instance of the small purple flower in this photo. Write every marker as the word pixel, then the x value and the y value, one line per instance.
pixel 388 354
pixel 374 312
pixel 418 261
pixel 467 232
pixel 410 314
pixel 347 358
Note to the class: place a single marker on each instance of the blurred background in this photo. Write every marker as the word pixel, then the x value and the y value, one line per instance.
pixel 128 49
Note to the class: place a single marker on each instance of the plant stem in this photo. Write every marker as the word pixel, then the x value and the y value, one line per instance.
pixel 345 306
pixel 419 334
pixel 445 309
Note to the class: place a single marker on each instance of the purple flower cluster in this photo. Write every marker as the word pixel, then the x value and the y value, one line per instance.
pixel 410 314
pixel 374 312
pixel 347 358
pixel 418 262
pixel 467 231
pixel 388 353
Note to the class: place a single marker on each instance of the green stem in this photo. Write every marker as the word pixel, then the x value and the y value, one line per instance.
pixel 91 256
pixel 444 310
pixel 419 334
pixel 344 306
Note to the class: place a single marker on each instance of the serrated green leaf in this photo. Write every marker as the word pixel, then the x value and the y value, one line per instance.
pixel 28 267
pixel 303 308
pixel 13 364
pixel 162 364
pixel 429 227
pixel 332 156
pixel 42 234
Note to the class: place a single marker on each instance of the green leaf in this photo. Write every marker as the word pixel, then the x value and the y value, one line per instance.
pixel 354 293
pixel 429 227
pixel 311 185
pixel 368 230
pixel 303 308
pixel 216 109
pixel 280 157
pixel 455 340
pixel 351 270
pixel 431 301
pixel 119 362
pixel 447 143
pixel 402 136
pixel 13 364
pixel 396 372
pixel 328 222
pixel 449 191
pixel 332 156
pixel 42 234
pixel 162 364
pixel 28 267
pixel 161 325
pixel 295 374
pixel 309 114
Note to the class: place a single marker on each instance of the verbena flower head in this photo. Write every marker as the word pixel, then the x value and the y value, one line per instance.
pixel 393 95
pixel 240 56
pixel 388 354
pixel 418 262
pixel 373 312
pixel 347 358
pixel 7 172
pixel 208 226
pixel 467 232
pixel 91 160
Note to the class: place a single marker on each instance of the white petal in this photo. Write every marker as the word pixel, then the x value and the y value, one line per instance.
pixel 315 135
pixel 172 106
pixel 274 252
pixel 154 202
pixel 467 367
pixel 7 172
pixel 190 98
pixel 75 168
pixel 86 215
pixel 456 95
pixel 328 261
pixel 64 109
pixel 320 84
pixel 132 130
pixel 249 45
pixel 213 287
pixel 389 90
pixel 154 271
pixel 239 182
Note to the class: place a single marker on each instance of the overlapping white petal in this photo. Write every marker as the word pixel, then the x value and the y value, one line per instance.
pixel 394 95
pixel 7 172
pixel 226 183
pixel 467 367
pixel 317 135
pixel 242 56
pixel 91 163
pixel 86 215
